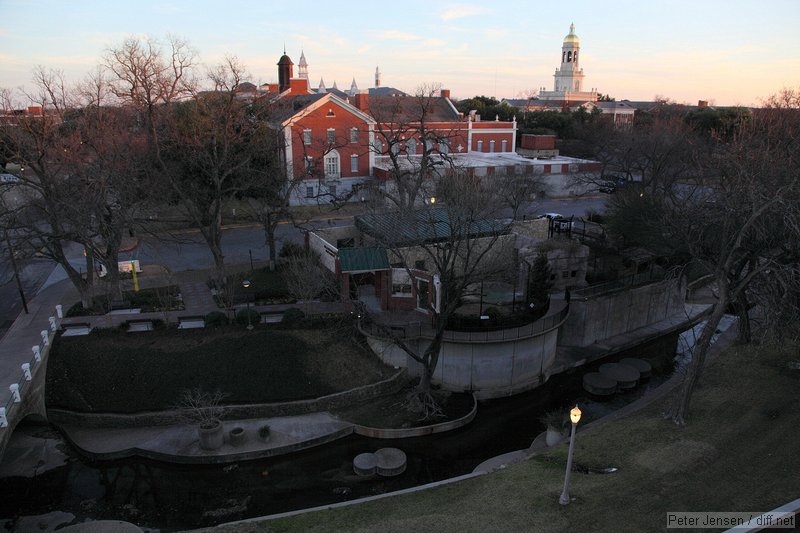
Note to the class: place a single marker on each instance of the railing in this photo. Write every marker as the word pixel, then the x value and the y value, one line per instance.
pixel 417 330
pixel 616 285
pixel 30 368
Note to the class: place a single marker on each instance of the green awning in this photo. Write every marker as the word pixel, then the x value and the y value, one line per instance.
pixel 363 259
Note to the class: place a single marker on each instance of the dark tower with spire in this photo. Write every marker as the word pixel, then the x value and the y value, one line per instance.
pixel 285 72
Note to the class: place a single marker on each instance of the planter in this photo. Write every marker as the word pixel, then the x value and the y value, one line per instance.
pixel 553 437
pixel 237 436
pixel 211 435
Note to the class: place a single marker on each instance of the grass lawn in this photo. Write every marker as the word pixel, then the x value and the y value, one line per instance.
pixel 739 452
pixel 120 372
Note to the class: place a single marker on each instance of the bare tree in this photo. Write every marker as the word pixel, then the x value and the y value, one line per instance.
pixel 306 278
pixel 213 148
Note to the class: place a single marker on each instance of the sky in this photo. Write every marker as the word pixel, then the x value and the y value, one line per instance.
pixel 729 52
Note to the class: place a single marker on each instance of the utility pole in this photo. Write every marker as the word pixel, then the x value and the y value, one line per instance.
pixel 16 270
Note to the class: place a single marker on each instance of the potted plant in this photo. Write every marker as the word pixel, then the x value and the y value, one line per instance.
pixel 204 409
pixel 556 423
pixel 236 436
pixel 264 432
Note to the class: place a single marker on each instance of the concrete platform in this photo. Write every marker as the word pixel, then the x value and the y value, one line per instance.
pixel 180 443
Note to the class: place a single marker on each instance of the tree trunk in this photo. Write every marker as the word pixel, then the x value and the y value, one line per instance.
pixel 680 407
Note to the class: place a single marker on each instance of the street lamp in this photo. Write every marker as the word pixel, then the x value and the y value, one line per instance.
pixel 575 417
pixel 246 285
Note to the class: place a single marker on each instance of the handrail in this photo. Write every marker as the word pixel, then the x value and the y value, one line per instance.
pixel 610 286
pixel 29 369
pixel 417 330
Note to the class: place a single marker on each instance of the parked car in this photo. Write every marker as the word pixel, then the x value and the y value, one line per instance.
pixel 8 178
pixel 557 219
pixel 608 187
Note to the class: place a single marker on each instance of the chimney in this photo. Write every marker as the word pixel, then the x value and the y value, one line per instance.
pixel 298 86
pixel 446 93
pixel 362 102
pixel 702 103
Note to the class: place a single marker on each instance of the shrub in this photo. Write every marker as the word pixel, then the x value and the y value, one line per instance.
pixel 263 431
pixel 248 316
pixel 292 316
pixel 215 319
pixel 291 249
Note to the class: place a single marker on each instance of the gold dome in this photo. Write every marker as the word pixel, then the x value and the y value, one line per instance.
pixel 571 37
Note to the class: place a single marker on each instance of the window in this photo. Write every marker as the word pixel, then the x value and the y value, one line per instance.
pixel 573 274
pixel 377 146
pixel 332 189
pixel 309 192
pixel 411 147
pixel 331 135
pixel 306 137
pixel 354 163
pixel 401 283
pixel 428 145
pixel 309 164
pixel 395 147
pixel 565 274
pixel 491 146
pixel 504 145
pixel 444 146
pixel 332 165
pixel 354 135
pixel 480 146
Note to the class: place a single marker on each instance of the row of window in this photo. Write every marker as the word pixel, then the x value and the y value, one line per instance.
pixel 330 136
pixel 411 144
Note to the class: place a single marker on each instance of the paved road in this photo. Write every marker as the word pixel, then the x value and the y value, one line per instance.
pixel 187 251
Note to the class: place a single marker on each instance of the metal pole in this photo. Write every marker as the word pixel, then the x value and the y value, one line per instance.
pixel 249 318
pixel 251 259
pixel 564 498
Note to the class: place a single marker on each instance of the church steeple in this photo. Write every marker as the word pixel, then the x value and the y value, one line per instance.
pixel 353 87
pixel 322 88
pixel 569 77
pixel 303 66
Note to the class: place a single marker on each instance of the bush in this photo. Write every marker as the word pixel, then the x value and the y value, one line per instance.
pixel 216 319
pixel 291 249
pixel 248 316
pixel 292 316
pixel 264 431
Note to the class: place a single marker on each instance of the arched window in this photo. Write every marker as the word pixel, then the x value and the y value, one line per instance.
pixel 332 165
pixel 444 146
pixel 480 147
pixel 377 146
pixel 569 57
pixel 411 146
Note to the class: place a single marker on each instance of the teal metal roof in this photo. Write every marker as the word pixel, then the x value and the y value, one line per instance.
pixel 363 259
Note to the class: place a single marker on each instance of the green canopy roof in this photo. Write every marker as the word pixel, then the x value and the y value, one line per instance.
pixel 363 259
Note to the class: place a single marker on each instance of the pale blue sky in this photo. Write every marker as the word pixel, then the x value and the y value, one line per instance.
pixel 726 51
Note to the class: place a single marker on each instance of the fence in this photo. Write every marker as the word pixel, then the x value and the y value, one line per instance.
pixel 30 368
pixel 616 285
pixel 417 330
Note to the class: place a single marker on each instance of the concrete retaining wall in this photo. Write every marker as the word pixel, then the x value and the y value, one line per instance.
pixel 234 412
pixel 489 369
pixel 616 313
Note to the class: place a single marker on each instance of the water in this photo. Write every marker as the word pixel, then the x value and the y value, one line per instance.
pixel 170 497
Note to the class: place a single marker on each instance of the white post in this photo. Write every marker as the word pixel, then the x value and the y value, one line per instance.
pixel 37 353
pixel 14 388
pixel 3 419
pixel 45 339
pixel 59 311
pixel 53 324
pixel 26 370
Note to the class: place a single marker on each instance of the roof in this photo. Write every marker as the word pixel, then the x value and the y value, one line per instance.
pixel 377 92
pixel 400 109
pixel 614 105
pixel 286 107
pixel 363 259
pixel 426 225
